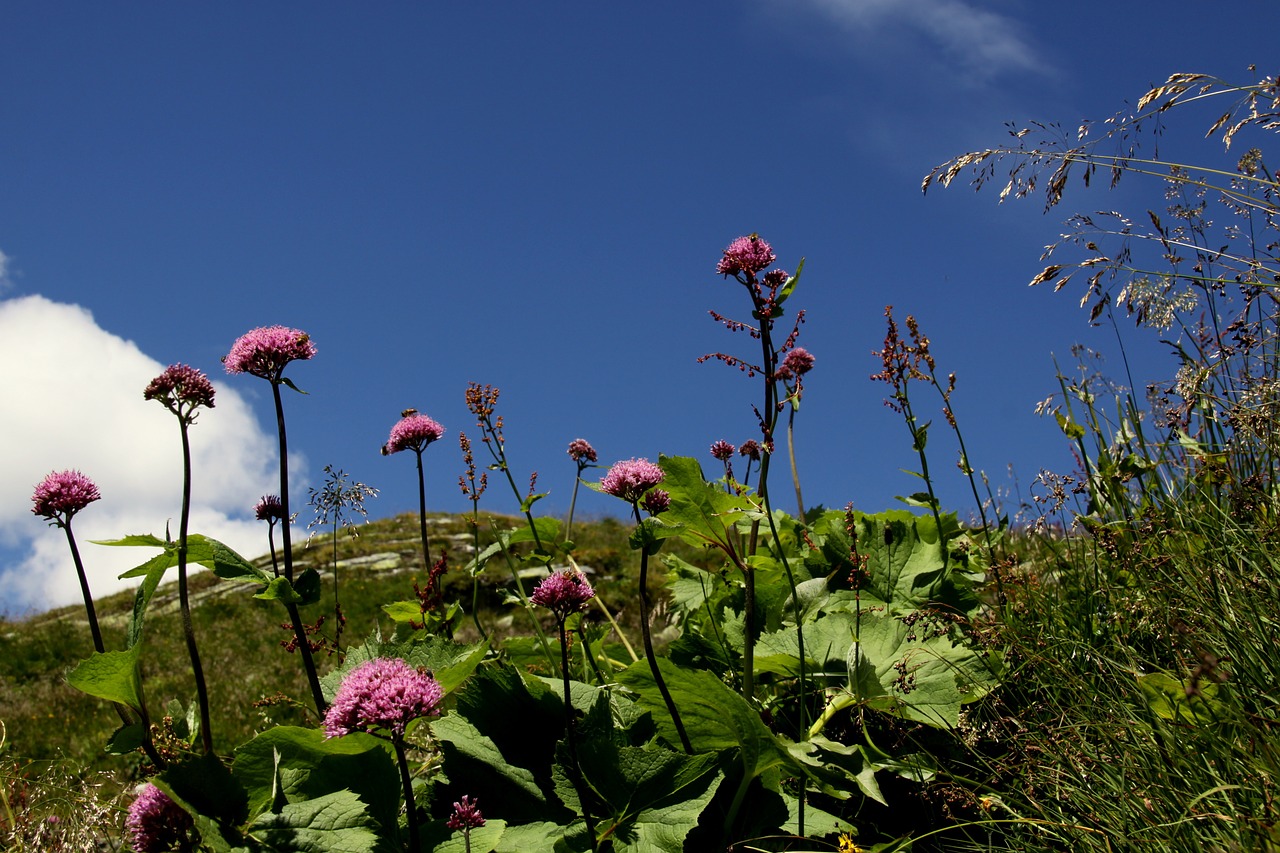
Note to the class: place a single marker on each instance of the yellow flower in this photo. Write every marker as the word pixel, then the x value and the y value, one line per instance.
pixel 847 845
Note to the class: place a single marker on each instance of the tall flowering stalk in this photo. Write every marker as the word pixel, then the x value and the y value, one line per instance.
pixel 635 481
pixel 57 498
pixel 482 400
pixel 415 432
pixel 473 488
pixel 584 456
pixel 183 390
pixel 745 261
pixel 565 593
pixel 382 697
pixel 265 352
pixel 331 503
pixel 795 364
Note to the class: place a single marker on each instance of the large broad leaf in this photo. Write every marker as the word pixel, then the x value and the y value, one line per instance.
pixel 826 648
pixel 304 589
pixel 501 740
pixel 915 672
pixel 700 512
pixel 333 823
pixel 113 676
pixel 315 766
pixel 438 838
pixel 142 598
pixel 714 716
pixel 654 796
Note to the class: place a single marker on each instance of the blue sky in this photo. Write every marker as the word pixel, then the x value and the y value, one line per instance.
pixel 534 196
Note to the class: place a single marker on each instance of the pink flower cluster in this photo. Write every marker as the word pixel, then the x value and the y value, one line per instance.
pixel 722 450
pixel 181 385
pixel 563 593
pixel 466 815
pixel 155 822
pixel 266 350
pixel 795 363
pixel 270 508
pixel 412 432
pixel 61 494
pixel 580 449
pixel 746 255
pixel 383 693
pixel 631 478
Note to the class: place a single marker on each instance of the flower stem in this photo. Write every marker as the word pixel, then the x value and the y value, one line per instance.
pixel 410 808
pixel 648 649
pixel 286 547
pixel 579 781
pixel 188 628
pixel 422 515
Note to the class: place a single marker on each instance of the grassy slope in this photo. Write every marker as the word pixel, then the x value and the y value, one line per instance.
pixel 239 637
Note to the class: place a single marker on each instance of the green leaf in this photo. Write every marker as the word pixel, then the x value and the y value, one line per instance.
pixel 143 539
pixel 202 784
pixel 333 823
pixel 789 286
pixel 1168 698
pixel 714 716
pixel 126 739
pixel 304 590
pixel 1069 428
pixel 826 648
pixel 404 611
pixel 530 500
pixel 142 598
pixel 438 838
pixel 700 511
pixel 113 676
pixel 285 380
pixel 316 766
pixel 223 560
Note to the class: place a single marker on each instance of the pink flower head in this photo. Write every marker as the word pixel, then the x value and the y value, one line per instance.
pixel 466 815
pixel 656 501
pixel 266 350
pixel 412 432
pixel 563 593
pixel 155 822
pixel 61 494
pixel 746 255
pixel 722 450
pixel 383 693
pixel 179 386
pixel 270 508
pixel 797 362
pixel 580 449
pixel 750 449
pixel 631 478
pixel 774 279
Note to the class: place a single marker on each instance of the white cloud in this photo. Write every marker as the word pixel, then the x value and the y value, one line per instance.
pixel 5 282
pixel 76 402
pixel 982 43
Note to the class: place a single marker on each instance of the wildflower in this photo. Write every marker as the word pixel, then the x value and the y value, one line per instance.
pixel 774 279
pixel 155 822
pixel 269 508
pixel 656 501
pixel 796 362
pixel 266 350
pixel 61 494
pixel 631 478
pixel 466 815
pixel 750 449
pixel 847 845
pixel 412 432
pixel 722 450
pixel 181 385
pixel 746 255
pixel 383 693
pixel 580 449
pixel 563 593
